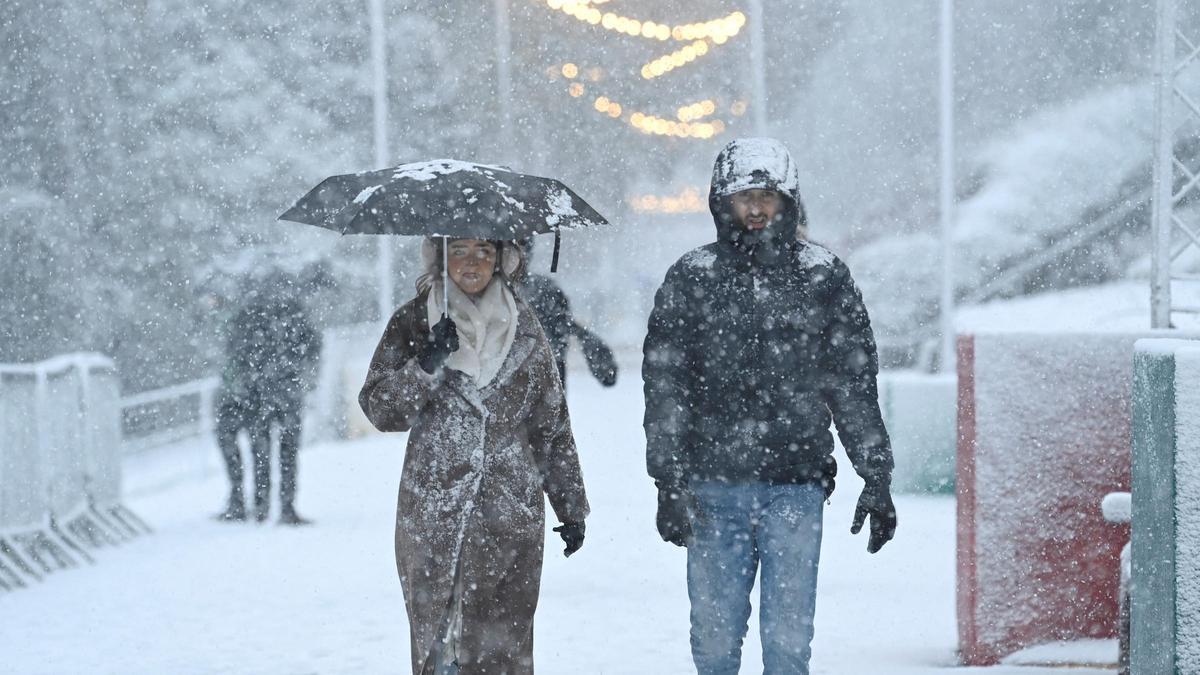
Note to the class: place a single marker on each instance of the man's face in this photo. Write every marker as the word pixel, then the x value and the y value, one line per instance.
pixel 471 264
pixel 753 210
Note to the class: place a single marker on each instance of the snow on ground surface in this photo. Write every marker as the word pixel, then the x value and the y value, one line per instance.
pixel 1117 307
pixel 200 596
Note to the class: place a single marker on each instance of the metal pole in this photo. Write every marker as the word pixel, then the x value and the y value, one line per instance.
pixel 758 66
pixel 1163 181
pixel 947 187
pixel 379 61
pixel 504 79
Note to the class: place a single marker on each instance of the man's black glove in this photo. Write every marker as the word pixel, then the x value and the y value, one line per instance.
pixel 441 342
pixel 876 502
pixel 673 519
pixel 572 536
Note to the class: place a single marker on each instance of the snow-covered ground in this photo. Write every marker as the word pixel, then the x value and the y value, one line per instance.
pixel 199 596
pixel 1122 306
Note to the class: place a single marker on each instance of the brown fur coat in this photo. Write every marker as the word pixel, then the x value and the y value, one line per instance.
pixel 476 466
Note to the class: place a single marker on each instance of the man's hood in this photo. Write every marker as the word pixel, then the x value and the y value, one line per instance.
pixel 756 164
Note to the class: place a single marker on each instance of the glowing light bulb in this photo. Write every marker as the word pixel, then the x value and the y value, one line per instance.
pixel 570 70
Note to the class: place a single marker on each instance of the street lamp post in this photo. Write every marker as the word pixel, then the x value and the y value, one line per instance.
pixel 379 62
pixel 758 67
pixel 946 193
pixel 504 79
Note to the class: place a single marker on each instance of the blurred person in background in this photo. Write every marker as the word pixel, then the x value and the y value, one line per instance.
pixel 271 354
pixel 548 301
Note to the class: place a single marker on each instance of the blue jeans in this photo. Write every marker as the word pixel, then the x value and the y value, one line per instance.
pixel 735 528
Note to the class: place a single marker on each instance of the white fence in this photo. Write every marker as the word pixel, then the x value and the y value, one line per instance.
pixel 60 471
pixel 161 416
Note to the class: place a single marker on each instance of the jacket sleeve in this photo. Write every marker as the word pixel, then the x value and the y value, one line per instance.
pixel 397 388
pixel 666 381
pixel 851 390
pixel 552 442
pixel 308 353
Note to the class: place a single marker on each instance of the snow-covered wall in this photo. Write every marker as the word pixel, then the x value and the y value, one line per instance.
pixel 1165 589
pixel 1044 434
pixel 59 439
pixel 918 409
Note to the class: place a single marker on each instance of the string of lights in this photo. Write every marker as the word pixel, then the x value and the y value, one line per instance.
pixel 658 126
pixel 699 35
pixel 686 126
pixel 697 110
pixel 688 200
pixel 718 30
pixel 669 62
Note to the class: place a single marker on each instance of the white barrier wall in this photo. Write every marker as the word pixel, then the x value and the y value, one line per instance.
pixel 1165 580
pixel 59 439
pixel 21 502
pixel 919 412
pixel 333 410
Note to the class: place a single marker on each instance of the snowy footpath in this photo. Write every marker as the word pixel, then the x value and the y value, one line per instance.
pixel 200 596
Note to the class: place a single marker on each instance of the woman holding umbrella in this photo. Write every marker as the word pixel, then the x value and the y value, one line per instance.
pixel 466 369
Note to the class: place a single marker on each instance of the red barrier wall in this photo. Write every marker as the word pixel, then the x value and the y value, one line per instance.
pixel 1044 433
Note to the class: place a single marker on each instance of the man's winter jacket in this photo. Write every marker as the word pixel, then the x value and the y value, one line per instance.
pixel 756 341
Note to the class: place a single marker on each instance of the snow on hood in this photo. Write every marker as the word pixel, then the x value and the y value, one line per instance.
pixel 755 164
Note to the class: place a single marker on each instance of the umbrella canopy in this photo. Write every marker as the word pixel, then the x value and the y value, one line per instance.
pixel 444 197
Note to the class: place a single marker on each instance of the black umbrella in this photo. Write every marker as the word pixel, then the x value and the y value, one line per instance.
pixel 447 198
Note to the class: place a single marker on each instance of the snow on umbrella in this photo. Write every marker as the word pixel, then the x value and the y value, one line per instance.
pixel 445 198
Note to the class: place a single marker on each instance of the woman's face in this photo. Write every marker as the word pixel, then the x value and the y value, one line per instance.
pixel 471 264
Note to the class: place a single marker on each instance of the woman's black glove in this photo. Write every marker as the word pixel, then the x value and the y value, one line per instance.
pixel 673 519
pixel 876 502
pixel 572 536
pixel 441 342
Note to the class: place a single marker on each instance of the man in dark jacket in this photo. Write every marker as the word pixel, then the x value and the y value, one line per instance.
pixel 271 351
pixel 756 343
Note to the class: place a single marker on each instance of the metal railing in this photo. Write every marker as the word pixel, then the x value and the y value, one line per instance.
pixel 60 466
pixel 161 416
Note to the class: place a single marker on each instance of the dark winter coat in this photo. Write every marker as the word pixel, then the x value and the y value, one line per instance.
pixel 754 344
pixel 476 466
pixel 270 355
pixel 553 310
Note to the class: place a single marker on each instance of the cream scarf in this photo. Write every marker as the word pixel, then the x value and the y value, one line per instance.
pixel 486 326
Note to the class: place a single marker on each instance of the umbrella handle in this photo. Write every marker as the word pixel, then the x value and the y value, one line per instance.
pixel 557 244
pixel 445 276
